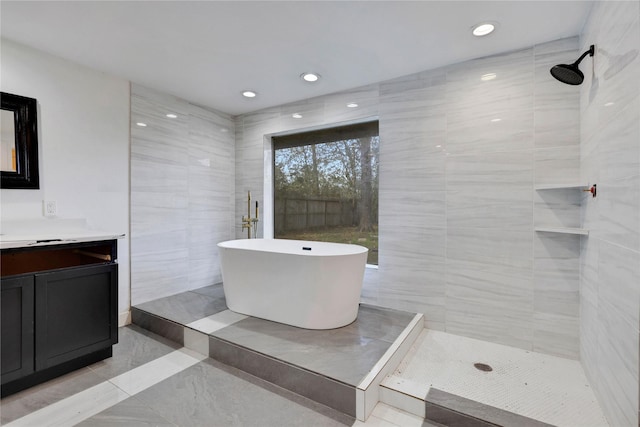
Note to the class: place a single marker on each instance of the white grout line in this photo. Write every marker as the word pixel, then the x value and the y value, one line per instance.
pixel 89 402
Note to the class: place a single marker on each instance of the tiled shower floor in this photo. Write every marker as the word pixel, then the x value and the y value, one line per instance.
pixel 549 389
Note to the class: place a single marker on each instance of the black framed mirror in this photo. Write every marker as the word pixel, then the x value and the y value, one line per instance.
pixel 18 142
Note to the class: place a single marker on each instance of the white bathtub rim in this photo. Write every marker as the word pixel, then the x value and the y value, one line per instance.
pixel 245 244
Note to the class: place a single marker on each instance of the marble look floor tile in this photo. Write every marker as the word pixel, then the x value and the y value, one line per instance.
pixel 136 346
pixel 345 354
pixel 158 325
pixel 331 393
pixel 348 365
pixel 74 409
pixel 216 321
pixel 130 412
pixel 210 393
pixel 379 323
pixel 196 341
pixel 214 291
pixel 145 376
pixel 184 307
pixel 40 396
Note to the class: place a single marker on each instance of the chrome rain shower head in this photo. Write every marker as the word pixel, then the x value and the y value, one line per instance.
pixel 570 73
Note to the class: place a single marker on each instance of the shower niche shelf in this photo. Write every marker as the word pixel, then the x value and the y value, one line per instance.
pixel 562 186
pixel 563 230
pixel 548 228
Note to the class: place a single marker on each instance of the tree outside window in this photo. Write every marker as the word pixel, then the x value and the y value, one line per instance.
pixel 326 186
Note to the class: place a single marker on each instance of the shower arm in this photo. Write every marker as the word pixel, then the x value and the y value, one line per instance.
pixel 590 52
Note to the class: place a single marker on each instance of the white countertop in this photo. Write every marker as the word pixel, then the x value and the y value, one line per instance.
pixel 25 234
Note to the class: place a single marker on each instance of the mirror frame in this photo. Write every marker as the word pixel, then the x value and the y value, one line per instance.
pixel 26 128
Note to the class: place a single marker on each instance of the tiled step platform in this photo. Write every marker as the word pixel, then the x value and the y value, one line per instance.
pixel 340 368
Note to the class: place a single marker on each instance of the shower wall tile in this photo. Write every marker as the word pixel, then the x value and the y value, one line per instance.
pixel 181 192
pixel 412 198
pixel 557 108
pixel 557 165
pixel 456 195
pixel 620 155
pixel 556 296
pixel 491 115
pixel 610 256
pixel 589 343
pixel 556 334
pixel 414 283
pixel 619 369
pixel 489 302
pixel 490 190
pixel 556 274
pixel 618 267
pixel 620 212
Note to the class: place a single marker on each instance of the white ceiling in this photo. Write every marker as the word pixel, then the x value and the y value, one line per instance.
pixel 208 52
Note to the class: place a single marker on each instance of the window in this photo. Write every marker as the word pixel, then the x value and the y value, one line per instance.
pixel 326 186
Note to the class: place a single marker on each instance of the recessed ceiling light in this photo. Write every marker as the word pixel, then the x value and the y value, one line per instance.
pixel 249 94
pixel 142 125
pixel 483 29
pixel 352 105
pixel 296 115
pixel 310 77
pixel 172 116
pixel 488 76
pixel 496 120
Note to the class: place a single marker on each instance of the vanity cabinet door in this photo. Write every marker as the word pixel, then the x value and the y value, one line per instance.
pixel 75 313
pixel 16 320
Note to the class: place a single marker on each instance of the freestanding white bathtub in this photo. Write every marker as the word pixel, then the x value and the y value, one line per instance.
pixel 312 285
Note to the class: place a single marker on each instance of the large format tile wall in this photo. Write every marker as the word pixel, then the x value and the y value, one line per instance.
pixel 182 192
pixel 457 198
pixel 610 256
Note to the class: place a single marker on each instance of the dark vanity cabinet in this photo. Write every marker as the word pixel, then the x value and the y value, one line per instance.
pixel 16 324
pixel 58 310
